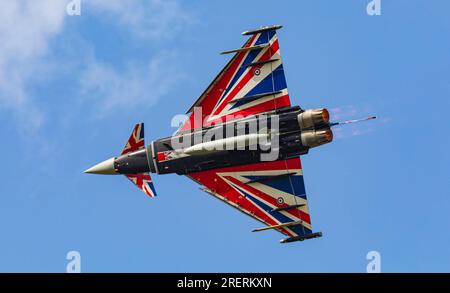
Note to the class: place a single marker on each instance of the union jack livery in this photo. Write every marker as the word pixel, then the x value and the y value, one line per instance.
pixel 242 142
pixel 252 82
pixel 271 192
pixel 136 140
pixel 144 182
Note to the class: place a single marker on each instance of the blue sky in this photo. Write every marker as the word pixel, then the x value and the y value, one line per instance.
pixel 71 89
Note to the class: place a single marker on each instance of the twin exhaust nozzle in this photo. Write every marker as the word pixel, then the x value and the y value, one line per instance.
pixel 315 127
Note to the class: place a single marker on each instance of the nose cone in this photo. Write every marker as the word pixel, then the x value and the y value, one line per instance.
pixel 105 168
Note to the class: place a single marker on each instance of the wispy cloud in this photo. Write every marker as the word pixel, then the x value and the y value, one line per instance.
pixel 349 112
pixel 153 19
pixel 343 112
pixel 27 28
pixel 109 89
pixel 141 84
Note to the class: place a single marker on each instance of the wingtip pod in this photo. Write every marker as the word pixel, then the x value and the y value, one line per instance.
pixel 301 238
pixel 262 29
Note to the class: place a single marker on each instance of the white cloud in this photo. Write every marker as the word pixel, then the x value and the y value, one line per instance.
pixel 109 89
pixel 153 19
pixel 25 29
pixel 28 26
pixel 140 85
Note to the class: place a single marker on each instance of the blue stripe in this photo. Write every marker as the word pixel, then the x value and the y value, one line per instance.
pixel 299 230
pixel 279 79
pixel 284 184
pixel 266 85
pixel 249 59
pixel 141 135
pixel 271 34
pixel 152 188
pixel 262 39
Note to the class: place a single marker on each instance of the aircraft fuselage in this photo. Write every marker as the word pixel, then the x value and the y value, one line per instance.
pixel 280 134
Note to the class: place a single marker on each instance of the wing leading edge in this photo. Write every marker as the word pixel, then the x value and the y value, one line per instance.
pixel 252 82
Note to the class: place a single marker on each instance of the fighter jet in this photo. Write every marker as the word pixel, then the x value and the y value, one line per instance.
pixel 242 141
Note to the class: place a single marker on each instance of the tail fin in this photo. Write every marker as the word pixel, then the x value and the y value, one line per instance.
pixel 136 142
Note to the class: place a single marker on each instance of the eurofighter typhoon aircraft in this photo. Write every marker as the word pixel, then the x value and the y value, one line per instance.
pixel 241 142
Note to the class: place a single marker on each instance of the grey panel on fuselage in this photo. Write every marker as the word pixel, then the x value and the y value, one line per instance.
pixel 289 146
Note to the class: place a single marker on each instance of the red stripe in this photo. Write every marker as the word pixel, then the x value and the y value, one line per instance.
pixel 296 212
pixel 250 73
pixel 276 103
pixel 214 94
pixel 280 102
pixel 211 180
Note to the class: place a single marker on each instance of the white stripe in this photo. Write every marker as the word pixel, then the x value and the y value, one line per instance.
pixel 250 84
pixel 222 98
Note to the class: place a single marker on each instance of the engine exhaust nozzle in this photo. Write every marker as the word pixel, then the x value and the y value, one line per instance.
pixel 311 119
pixel 314 138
